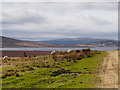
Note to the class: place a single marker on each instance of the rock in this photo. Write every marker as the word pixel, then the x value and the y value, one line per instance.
pixel 60 71
pixel 81 82
pixel 31 68
pixel 85 68
pixel 17 75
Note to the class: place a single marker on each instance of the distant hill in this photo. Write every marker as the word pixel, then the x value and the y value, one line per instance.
pixel 82 42
pixel 7 42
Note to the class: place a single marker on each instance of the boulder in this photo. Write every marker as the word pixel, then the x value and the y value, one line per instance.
pixel 60 71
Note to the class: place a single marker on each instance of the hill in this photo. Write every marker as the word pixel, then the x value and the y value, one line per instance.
pixel 7 42
pixel 82 42
pixel 67 42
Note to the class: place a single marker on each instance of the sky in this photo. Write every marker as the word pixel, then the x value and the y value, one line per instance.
pixel 39 21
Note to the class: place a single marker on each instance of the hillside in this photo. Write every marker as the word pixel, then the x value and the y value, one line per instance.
pixel 82 42
pixel 52 71
pixel 68 42
pixel 14 43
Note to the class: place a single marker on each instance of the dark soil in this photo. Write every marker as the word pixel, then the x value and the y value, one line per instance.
pixel 24 53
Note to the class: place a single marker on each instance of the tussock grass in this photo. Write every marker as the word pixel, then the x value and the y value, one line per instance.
pixel 34 72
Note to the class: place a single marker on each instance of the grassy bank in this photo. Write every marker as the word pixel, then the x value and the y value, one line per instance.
pixel 35 72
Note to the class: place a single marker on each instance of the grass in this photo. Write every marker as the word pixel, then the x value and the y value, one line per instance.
pixel 43 66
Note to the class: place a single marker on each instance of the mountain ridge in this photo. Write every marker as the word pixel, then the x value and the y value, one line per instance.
pixel 7 42
pixel 82 41
pixel 67 42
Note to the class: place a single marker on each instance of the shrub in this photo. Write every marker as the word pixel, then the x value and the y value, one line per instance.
pixel 57 57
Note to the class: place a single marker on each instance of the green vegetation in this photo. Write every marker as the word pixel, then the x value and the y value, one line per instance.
pixel 35 72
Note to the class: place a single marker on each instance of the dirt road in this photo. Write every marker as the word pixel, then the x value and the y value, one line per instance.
pixel 109 71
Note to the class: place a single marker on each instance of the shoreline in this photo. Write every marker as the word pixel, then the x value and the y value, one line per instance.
pixel 12 53
pixel 24 53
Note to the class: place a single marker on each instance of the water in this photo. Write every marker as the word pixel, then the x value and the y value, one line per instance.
pixel 58 49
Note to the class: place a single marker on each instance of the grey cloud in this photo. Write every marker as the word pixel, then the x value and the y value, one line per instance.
pixel 42 21
pixel 61 1
pixel 100 21
pixel 22 20
pixel 41 35
pixel 98 6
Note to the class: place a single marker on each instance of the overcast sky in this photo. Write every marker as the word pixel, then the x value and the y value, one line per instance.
pixel 44 21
